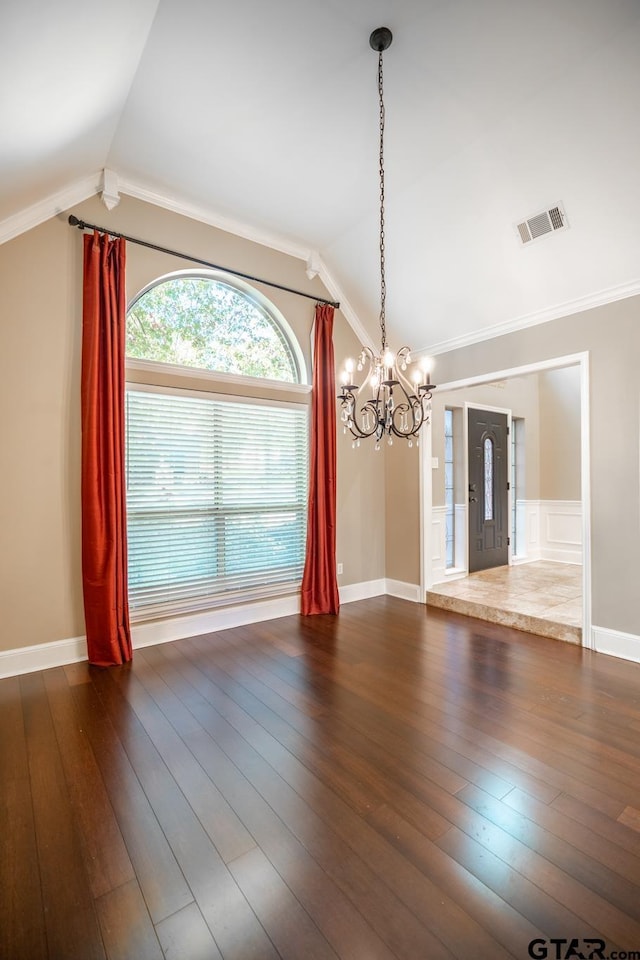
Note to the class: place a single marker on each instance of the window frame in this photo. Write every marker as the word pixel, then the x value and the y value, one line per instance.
pixel 227 597
pixel 259 300
pixel 167 378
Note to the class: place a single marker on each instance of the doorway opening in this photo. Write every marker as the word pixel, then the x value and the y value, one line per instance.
pixel 506 519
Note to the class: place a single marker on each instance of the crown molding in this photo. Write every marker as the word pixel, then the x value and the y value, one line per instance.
pixel 345 307
pixel 89 186
pixel 205 215
pixel 580 304
pixel 247 232
pixel 51 206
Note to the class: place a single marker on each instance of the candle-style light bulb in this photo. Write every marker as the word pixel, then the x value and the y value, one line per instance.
pixel 349 365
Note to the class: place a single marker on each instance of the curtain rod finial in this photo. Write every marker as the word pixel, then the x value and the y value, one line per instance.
pixel 73 220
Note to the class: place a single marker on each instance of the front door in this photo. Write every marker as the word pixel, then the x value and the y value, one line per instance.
pixel 488 486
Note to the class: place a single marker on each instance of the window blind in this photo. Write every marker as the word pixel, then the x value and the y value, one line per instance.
pixel 216 498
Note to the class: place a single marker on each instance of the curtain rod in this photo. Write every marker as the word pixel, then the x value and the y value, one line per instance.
pixel 82 225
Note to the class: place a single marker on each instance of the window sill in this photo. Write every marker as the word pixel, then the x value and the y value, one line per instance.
pixel 149 371
pixel 186 608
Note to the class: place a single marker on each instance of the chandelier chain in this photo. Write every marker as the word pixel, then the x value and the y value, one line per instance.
pixel 383 284
pixel 394 397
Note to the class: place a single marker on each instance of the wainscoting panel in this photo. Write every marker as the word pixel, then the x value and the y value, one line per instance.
pixel 438 543
pixel 532 527
pixel 546 530
pixel 553 530
pixel 460 534
pixel 561 530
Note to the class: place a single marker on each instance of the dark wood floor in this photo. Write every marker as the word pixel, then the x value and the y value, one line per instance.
pixel 388 783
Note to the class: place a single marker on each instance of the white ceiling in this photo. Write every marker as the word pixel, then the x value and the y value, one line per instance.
pixel 267 113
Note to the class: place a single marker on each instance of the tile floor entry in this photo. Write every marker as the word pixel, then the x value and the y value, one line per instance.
pixel 543 597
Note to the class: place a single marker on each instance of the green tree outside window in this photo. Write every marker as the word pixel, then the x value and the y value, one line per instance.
pixel 205 323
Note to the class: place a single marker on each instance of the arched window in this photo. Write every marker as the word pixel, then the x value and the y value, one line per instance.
pixel 200 321
pixel 216 483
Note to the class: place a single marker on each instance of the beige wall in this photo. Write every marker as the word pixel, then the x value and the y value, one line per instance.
pixel 40 341
pixel 378 493
pixel 40 317
pixel 611 336
pixel 402 491
pixel 361 516
pixel 560 451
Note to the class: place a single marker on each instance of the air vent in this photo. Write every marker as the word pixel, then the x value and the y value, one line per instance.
pixel 542 224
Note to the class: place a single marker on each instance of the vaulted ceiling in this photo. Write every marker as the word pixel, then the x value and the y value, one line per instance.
pixel 267 114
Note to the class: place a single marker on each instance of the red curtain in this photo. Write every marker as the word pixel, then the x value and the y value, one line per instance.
pixel 104 532
pixel 319 584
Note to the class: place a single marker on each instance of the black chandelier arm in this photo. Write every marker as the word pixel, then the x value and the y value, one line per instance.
pixel 348 401
pixel 410 399
pixel 417 419
pixel 385 415
pixel 358 431
pixel 367 359
pixel 402 362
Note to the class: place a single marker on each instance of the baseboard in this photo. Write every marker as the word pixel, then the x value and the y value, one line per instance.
pixel 42 656
pixel 405 591
pixel 60 652
pixel 562 555
pixel 192 625
pixel 362 591
pixel 615 643
pixel 210 621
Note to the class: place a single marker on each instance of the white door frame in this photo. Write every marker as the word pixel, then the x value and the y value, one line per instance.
pixel 426 486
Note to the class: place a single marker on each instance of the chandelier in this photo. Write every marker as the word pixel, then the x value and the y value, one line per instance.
pixel 394 397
